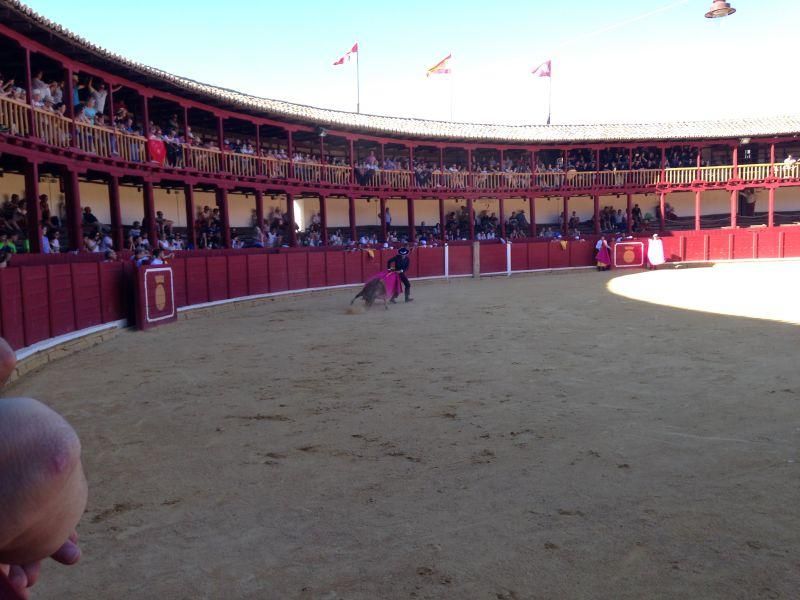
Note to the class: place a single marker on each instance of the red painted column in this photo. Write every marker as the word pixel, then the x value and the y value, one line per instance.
pixel 412 228
pixel 352 162
pixel 384 232
pixel 471 212
pixel 697 197
pixel 502 203
pixel 532 200
pixel 117 237
pixel 32 204
pixel 629 213
pixel 291 220
pixel 72 197
pixel 411 165
pixel 470 180
pixel 323 218
pixel 223 166
pixel 73 140
pixel 662 202
pixel 771 208
pixel 565 224
pixel 150 228
pixel 224 210
pixel 259 209
pixel 734 211
pixel 145 117
pixel 351 211
pixel 290 153
pixel 29 91
pixel 191 226
pixel 772 159
pixel 442 221
pixel 596 214
pixel 736 162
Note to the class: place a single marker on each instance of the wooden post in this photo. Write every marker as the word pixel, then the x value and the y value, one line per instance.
pixel 191 228
pixel 351 211
pixel 734 198
pixel 150 226
pixel 323 219
pixel 662 218
pixel 502 202
pixel 532 219
pixel 565 224
pixel 697 198
pixel 259 209
pixel 32 202
pixel 117 237
pixel 442 234
pixel 471 213
pixel 597 227
pixel 771 208
pixel 412 228
pixel 72 197
pixel 384 229
pixel 629 213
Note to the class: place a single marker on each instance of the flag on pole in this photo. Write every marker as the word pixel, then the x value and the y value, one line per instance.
pixel 440 68
pixel 347 55
pixel 543 70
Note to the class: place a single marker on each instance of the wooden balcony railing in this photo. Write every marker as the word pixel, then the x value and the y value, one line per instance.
pixel 206 160
pixel 308 172
pixel 516 181
pixel 241 165
pixel 716 174
pixel 336 174
pixel 273 168
pixel 644 177
pixel 787 171
pixel 130 147
pixel 754 172
pixel 14 117
pixel 681 176
pixel 549 180
pixel 51 128
pixel 96 140
pixel 396 179
pixel 488 181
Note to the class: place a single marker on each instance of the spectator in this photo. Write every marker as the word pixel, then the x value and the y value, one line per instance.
pixel 90 221
pixel 45 241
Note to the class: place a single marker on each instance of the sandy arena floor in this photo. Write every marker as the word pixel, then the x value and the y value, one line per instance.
pixel 504 439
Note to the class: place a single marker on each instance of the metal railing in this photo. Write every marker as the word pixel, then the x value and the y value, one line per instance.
pixel 14 117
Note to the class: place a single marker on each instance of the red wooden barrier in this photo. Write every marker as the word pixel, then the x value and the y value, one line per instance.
pixel 744 245
pixel 538 255
pixel 217 278
pixel 519 256
pixel 558 256
pixel 791 243
pixel 297 269
pixel 257 274
pixel 237 276
pixel 430 262
pixel 179 281
pixel 334 267
pixel 352 267
pixel 86 292
pixel 767 244
pixel 581 253
pixel 673 248
pixel 719 245
pixel 460 260
pixel 111 284
pixel 316 269
pixel 493 258
pixel 371 264
pixel 35 306
pixel 60 299
pixel 11 307
pixel 278 277
pixel 196 281
pixel 695 247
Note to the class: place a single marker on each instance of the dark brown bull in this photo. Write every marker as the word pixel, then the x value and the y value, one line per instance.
pixel 372 291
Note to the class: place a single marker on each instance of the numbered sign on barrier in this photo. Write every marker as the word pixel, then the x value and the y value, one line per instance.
pixel 155 297
pixel 628 254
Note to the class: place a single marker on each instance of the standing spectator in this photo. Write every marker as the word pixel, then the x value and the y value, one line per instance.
pixel 45 241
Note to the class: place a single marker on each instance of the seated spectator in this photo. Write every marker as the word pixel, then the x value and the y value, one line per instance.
pixel 55 241
pixel 90 221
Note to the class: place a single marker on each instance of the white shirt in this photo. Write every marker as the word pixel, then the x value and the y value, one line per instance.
pixel 100 98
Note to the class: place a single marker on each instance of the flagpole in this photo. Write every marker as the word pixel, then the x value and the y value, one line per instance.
pixel 358 83
pixel 452 85
pixel 550 97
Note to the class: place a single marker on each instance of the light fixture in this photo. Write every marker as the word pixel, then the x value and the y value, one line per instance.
pixel 745 141
pixel 720 8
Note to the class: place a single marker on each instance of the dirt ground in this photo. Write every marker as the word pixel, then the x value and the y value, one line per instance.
pixel 503 439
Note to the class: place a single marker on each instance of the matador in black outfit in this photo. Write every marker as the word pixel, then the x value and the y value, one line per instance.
pixel 399 263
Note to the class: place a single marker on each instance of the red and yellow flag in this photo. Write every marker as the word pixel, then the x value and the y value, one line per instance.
pixel 440 68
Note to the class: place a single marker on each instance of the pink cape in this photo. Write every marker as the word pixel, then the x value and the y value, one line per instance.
pixel 603 257
pixel 394 287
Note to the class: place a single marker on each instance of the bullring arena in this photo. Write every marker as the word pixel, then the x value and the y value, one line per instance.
pixel 529 427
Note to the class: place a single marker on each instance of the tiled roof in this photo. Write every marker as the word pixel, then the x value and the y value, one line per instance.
pixel 442 130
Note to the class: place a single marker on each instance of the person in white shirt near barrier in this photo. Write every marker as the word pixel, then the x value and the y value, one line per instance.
pixel 655 252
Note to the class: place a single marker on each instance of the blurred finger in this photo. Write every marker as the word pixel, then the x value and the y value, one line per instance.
pixel 18 581
pixel 32 571
pixel 68 554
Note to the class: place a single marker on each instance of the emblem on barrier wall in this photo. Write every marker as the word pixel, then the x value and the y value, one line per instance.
pixel 156 296
pixel 628 254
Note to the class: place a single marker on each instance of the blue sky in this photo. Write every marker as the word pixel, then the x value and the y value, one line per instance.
pixel 608 64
